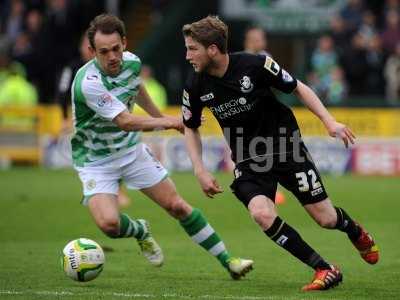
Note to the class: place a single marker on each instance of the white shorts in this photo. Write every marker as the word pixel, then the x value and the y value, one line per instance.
pixel 139 169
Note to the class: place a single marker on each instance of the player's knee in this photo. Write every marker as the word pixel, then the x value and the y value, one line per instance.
pixel 177 207
pixel 263 217
pixel 326 221
pixel 110 226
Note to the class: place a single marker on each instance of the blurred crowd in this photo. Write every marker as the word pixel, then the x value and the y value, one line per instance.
pixel 41 37
pixel 360 55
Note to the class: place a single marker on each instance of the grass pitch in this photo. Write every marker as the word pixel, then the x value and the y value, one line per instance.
pixel 40 212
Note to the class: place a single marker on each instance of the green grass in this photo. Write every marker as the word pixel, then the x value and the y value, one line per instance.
pixel 40 212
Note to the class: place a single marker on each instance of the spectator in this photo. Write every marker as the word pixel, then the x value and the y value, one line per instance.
pixel 15 91
pixel 60 30
pixel 324 58
pixel 352 14
pixel 323 61
pixel 44 36
pixel 375 58
pixel 368 28
pixel 337 89
pixel 339 33
pixel 154 88
pixel 355 65
pixel 32 50
pixel 255 41
pixel 391 33
pixel 158 9
pixel 4 46
pixel 63 94
pixel 392 75
pixel 15 20
pixel 391 5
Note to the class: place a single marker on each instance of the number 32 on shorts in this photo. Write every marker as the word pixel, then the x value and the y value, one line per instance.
pixel 303 181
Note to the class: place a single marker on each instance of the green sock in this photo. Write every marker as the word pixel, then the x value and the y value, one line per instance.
pixel 130 227
pixel 197 227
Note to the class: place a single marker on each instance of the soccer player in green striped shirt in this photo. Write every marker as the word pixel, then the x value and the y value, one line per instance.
pixel 106 148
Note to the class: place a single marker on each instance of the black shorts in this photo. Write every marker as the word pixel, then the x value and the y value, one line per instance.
pixel 261 177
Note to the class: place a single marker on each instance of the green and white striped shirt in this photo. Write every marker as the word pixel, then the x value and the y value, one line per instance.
pixel 96 100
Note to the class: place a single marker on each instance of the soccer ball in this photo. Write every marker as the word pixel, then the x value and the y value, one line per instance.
pixel 82 260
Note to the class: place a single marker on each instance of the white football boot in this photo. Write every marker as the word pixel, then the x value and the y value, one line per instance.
pixel 239 267
pixel 149 247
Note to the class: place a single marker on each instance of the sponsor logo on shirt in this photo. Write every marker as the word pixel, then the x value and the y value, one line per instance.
pixel 187 114
pixel 286 76
pixel 185 98
pixel 207 97
pixel 246 84
pixel 105 100
pixel 237 173
pixel 231 108
pixel 92 77
pixel 242 100
pixel 271 66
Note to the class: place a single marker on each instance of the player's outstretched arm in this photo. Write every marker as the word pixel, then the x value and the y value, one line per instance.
pixel 208 183
pixel 129 122
pixel 314 104
pixel 105 104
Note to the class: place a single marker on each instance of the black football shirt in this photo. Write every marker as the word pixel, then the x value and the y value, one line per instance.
pixel 254 122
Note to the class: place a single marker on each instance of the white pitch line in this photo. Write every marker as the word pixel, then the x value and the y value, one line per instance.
pixel 132 295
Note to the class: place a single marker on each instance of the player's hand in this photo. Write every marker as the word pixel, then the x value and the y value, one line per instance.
pixel 208 184
pixel 339 130
pixel 176 123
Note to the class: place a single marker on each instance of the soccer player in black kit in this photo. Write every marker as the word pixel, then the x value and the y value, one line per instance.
pixel 265 141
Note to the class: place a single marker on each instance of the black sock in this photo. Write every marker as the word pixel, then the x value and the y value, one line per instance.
pixel 288 238
pixel 346 224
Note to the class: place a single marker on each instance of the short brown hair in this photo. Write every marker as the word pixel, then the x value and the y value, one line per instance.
pixel 208 31
pixel 107 24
